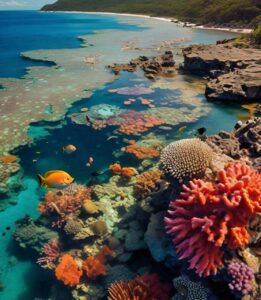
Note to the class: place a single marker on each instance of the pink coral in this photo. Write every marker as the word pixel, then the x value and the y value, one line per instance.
pixel 210 215
pixel 51 252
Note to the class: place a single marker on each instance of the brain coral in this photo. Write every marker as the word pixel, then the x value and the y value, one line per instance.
pixel 189 290
pixel 68 271
pixel 209 216
pixel 145 287
pixel 186 158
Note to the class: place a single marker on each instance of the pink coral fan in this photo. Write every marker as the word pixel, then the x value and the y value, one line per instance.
pixel 51 252
pixel 209 215
pixel 62 205
pixel 242 277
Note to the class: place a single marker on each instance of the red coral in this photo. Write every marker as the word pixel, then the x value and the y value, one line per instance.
pixel 94 266
pixel 210 215
pixel 145 287
pixel 68 271
pixel 62 205
pixel 51 252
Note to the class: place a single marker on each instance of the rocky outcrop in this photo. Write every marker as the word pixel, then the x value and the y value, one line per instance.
pixel 162 65
pixel 234 70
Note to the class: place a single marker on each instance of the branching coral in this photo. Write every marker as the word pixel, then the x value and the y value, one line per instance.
pixel 141 152
pixel 186 158
pixel 242 277
pixel 125 172
pixel 146 183
pixel 68 271
pixel 209 215
pixel 94 266
pixel 145 287
pixel 62 205
pixel 51 252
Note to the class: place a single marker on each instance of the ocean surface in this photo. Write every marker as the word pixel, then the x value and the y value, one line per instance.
pixel 50 42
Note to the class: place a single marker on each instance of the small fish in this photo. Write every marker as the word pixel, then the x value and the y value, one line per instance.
pixel 97 173
pixel 112 137
pixel 69 149
pixel 3 234
pixel 201 130
pixel 88 165
pixel 177 136
pixel 91 160
pixel 182 128
pixel 8 228
pixel 55 179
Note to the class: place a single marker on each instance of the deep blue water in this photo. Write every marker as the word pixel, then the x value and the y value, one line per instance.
pixel 22 31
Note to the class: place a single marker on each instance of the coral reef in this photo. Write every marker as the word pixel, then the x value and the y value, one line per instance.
pixel 145 287
pixel 187 158
pixel 68 271
pixel 62 205
pixel 7 159
pixel 51 251
pixel 125 172
pixel 99 227
pixel 210 215
pixel 89 207
pixel 189 290
pixel 141 152
pixel 242 277
pixel 94 266
pixel 146 183
pixel 72 227
pixel 135 90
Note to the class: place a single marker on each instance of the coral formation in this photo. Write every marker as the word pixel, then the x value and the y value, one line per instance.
pixel 189 290
pixel 99 227
pixel 90 207
pixel 62 205
pixel 209 215
pixel 68 271
pixel 51 251
pixel 145 287
pixel 72 227
pixel 187 158
pixel 146 183
pixel 241 277
pixel 94 266
pixel 7 159
pixel 141 152
pixel 125 172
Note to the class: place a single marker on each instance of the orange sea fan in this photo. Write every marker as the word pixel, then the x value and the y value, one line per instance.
pixel 94 266
pixel 68 271
pixel 141 152
pixel 145 287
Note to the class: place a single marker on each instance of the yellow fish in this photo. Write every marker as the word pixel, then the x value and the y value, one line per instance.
pixel 55 179
pixel 182 128
pixel 69 149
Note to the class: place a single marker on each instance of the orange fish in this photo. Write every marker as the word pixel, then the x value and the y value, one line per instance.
pixel 69 149
pixel 55 179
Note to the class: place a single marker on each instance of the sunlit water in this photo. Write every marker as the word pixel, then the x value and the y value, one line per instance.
pixel 27 31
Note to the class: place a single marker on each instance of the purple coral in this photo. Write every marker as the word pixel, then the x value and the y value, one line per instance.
pixel 242 277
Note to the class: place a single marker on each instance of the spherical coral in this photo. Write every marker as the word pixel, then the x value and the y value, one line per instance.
pixel 187 158
pixel 241 277
pixel 94 266
pixel 72 227
pixel 126 172
pixel 189 290
pixel 141 152
pixel 68 271
pixel 145 287
pixel 210 215
pixel 89 207
pixel 99 227
pixel 146 183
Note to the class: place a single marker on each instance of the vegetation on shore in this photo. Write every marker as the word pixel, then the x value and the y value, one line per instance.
pixel 245 13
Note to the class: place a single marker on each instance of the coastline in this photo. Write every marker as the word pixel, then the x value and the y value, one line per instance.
pixel 166 19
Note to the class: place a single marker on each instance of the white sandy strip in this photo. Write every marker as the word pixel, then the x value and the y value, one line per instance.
pixel 185 24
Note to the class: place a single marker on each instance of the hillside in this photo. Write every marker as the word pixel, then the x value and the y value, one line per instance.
pixel 229 12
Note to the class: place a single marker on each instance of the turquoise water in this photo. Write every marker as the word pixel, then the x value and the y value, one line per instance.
pixel 24 31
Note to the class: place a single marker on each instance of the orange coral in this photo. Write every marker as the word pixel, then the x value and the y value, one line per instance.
pixel 126 172
pixel 146 183
pixel 94 266
pixel 62 205
pixel 6 159
pixel 145 287
pixel 68 271
pixel 141 152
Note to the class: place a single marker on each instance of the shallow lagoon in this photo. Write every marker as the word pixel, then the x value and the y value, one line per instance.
pixel 71 85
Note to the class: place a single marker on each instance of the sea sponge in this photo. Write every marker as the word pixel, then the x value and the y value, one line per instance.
pixel 189 290
pixel 94 266
pixel 187 158
pixel 68 271
pixel 145 287
pixel 72 227
pixel 99 227
pixel 90 207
